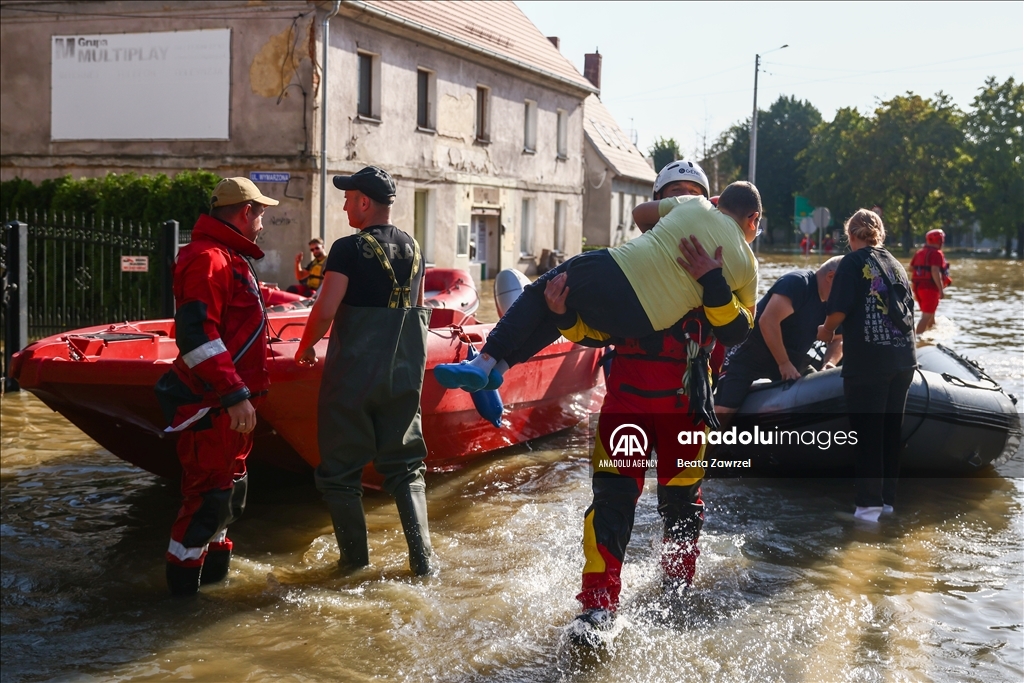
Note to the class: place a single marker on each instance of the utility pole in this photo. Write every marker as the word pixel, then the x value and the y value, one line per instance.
pixel 752 163
pixel 752 166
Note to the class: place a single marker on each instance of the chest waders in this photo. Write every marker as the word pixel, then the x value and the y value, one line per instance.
pixel 369 411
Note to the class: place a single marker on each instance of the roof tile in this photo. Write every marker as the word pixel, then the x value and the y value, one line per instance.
pixel 612 143
pixel 500 27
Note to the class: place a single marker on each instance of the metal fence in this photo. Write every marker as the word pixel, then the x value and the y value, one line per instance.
pixel 62 272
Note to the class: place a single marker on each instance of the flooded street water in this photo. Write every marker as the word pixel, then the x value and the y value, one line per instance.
pixel 787 589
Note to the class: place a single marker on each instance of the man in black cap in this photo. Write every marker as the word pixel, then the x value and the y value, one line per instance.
pixel 369 407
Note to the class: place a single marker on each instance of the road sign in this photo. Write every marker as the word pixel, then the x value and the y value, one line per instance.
pixel 134 264
pixel 807 226
pixel 802 208
pixel 269 177
pixel 822 217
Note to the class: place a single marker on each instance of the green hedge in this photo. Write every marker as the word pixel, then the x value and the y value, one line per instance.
pixel 130 197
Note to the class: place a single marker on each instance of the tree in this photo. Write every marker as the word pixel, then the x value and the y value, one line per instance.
pixel 916 148
pixel 718 162
pixel 996 143
pixel 835 164
pixel 664 151
pixel 782 133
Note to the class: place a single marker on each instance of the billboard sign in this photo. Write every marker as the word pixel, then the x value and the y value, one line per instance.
pixel 171 85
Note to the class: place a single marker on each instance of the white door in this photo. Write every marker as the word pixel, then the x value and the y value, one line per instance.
pixel 478 240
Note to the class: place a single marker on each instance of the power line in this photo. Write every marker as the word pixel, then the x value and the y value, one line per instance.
pixel 853 74
pixel 676 85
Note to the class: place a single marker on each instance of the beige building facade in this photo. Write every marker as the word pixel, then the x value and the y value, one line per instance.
pixel 475 113
pixel 618 177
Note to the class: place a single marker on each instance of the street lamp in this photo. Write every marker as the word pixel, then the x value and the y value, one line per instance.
pixel 752 171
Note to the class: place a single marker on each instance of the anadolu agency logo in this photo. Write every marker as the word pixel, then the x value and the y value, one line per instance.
pixel 628 441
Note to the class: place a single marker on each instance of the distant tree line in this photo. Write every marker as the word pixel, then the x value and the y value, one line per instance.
pixel 927 163
pixel 129 197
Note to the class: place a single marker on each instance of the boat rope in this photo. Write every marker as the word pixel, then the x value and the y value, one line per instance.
pixel 956 381
pixel 73 352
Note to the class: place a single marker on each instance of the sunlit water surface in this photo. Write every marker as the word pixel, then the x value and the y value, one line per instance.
pixel 787 588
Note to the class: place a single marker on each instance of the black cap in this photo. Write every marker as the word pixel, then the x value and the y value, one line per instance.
pixel 375 183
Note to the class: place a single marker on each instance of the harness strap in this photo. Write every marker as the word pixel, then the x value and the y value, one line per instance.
pixel 401 297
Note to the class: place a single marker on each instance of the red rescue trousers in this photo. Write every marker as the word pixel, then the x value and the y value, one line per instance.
pixel 213 487
pixel 642 413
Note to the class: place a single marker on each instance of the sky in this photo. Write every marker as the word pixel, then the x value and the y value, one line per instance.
pixel 685 70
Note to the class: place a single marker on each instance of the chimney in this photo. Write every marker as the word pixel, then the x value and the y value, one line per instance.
pixel 592 68
pixel 556 42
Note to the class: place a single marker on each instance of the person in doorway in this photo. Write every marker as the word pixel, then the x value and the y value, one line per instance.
pixel 632 290
pixel 211 393
pixel 879 359
pixel 785 328
pixel 311 275
pixel 930 278
pixel 369 406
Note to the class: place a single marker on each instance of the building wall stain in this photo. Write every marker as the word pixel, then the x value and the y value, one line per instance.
pixel 275 64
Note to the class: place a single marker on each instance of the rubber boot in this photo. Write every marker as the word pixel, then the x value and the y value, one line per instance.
pixel 216 562
pixel 350 530
pixel 411 500
pixel 183 581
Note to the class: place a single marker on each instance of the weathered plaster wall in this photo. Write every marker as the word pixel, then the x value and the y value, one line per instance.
pixel 450 161
pixel 268 52
pixel 272 62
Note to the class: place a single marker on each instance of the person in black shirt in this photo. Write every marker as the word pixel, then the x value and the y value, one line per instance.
pixel 788 316
pixel 879 360
pixel 369 405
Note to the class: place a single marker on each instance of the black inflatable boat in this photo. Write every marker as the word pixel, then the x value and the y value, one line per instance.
pixel 958 420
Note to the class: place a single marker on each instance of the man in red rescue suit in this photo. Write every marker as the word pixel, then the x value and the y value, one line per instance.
pixel 209 396
pixel 645 400
pixel 931 277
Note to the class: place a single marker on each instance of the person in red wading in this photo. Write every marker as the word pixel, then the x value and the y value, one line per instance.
pixel 209 396
pixel 930 278
pixel 644 401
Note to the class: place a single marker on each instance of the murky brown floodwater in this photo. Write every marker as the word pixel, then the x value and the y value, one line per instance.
pixel 785 590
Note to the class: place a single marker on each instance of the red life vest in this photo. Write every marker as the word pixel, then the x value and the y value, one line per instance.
pixel 922 264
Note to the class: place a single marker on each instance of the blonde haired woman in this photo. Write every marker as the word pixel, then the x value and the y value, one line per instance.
pixel 879 359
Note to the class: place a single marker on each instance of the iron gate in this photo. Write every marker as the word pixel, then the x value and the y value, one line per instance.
pixel 69 271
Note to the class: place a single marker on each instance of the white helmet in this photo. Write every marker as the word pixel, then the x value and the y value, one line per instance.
pixel 682 170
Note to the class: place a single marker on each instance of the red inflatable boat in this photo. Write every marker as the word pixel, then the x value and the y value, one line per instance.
pixel 101 379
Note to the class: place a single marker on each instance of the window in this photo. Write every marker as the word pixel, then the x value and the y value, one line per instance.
pixel 462 240
pixel 483 114
pixel 369 86
pixel 426 89
pixel 559 225
pixel 530 127
pixel 563 134
pixel 526 231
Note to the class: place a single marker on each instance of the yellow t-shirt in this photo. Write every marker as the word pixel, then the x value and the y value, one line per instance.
pixel 666 291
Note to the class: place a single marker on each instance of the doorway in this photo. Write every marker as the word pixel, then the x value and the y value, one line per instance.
pixel 484 242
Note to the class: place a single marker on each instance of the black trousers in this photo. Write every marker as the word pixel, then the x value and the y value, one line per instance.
pixel 876 408
pixel 598 291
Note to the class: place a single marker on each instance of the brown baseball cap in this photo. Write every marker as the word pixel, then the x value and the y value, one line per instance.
pixel 238 190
